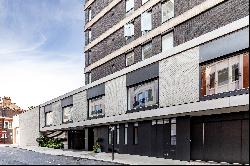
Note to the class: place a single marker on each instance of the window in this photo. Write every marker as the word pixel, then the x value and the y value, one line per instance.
pixel 167 41
pixel 126 134
pixel 167 10
pixel 212 81
pixel 89 58
pixel 235 72
pixel 130 6
pixel 10 125
pixel 67 114
pixel 48 118
pixel 96 106
pixel 4 136
pixel 144 1
pixel 110 137
pixel 6 124
pixel 173 131
pixel 89 36
pixel 135 134
pixel 89 14
pixel 129 30
pixel 89 77
pixel 223 77
pixel 147 51
pixel 130 59
pixel 143 95
pixel 117 134
pixel 146 22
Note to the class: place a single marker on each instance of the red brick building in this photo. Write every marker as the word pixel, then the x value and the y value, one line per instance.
pixel 7 111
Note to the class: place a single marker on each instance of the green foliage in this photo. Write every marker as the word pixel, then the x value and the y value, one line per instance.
pixel 97 148
pixel 50 142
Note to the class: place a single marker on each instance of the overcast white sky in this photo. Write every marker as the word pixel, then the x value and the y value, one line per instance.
pixel 41 49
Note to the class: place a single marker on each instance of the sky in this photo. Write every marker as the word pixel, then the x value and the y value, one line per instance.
pixel 41 49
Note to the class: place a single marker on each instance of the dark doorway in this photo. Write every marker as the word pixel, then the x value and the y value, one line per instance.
pixel 90 139
pixel 76 139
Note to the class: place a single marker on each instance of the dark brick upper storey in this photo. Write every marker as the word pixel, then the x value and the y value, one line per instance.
pixel 208 21
pixel 214 18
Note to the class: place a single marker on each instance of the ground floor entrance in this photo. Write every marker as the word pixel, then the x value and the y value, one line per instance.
pixel 76 139
pixel 220 138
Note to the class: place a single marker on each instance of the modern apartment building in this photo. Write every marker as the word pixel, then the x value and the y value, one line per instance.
pixel 172 77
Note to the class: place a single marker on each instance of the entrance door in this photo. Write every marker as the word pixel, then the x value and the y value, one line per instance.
pixel 76 139
pixel 90 139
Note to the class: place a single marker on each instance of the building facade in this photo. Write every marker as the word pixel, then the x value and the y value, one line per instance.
pixel 7 111
pixel 171 76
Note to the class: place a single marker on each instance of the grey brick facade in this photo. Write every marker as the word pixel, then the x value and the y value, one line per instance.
pixel 211 20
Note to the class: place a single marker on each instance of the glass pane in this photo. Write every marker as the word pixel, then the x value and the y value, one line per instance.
pixel 167 42
pixel 223 77
pixel 235 72
pixel 130 59
pixel 167 10
pixel 135 135
pixel 212 81
pixel 147 51
pixel 126 136
pixel 173 129
pixel 173 140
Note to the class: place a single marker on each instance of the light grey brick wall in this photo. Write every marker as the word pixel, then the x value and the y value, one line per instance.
pixel 29 127
pixel 116 96
pixel 80 107
pixel 179 78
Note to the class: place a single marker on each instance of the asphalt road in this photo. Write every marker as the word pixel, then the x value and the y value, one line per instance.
pixel 14 156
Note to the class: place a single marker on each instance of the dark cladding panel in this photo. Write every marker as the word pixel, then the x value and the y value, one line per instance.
pixel 67 101
pixel 143 74
pixel 96 91
pixel 183 138
pixel 48 108
pixel 225 45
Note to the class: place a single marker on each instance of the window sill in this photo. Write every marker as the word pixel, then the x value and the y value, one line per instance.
pixel 71 121
pixel 143 108
pixel 48 125
pixel 225 94
pixel 96 117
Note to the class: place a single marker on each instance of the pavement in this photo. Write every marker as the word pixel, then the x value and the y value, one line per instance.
pixel 16 156
pixel 107 157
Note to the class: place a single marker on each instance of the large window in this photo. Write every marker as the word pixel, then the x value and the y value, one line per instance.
pixel 143 95
pixel 223 76
pixel 147 51
pixel 130 4
pixel 146 22
pixel 167 41
pixel 96 106
pixel 67 114
pixel 48 118
pixel 167 10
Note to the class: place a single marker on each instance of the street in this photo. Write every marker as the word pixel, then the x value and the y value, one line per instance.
pixel 14 156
